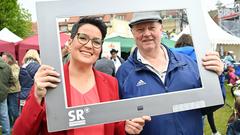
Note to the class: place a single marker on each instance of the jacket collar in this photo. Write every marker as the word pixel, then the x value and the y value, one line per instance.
pixel 101 83
pixel 174 61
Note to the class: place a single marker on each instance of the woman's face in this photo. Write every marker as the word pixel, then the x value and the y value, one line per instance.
pixel 87 44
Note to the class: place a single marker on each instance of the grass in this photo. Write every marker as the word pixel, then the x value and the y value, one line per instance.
pixel 221 115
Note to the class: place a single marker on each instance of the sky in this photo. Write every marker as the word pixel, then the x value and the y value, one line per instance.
pixel 30 5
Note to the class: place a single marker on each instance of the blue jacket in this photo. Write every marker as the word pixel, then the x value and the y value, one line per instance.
pixel 26 78
pixel 234 128
pixel 188 50
pixel 182 74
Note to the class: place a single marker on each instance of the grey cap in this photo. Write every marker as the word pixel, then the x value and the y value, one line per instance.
pixel 140 17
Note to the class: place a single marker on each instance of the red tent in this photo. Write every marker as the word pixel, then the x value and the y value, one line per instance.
pixel 8 47
pixel 32 43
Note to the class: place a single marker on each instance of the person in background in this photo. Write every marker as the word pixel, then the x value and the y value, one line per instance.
pixel 31 62
pixel 184 45
pixel 116 59
pixel 13 95
pixel 65 53
pixel 84 85
pixel 105 65
pixel 154 69
pixel 66 49
pixel 229 59
pixel 233 126
pixel 237 70
pixel 232 76
pixel 6 81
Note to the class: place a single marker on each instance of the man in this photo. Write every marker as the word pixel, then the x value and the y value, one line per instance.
pixel 105 65
pixel 14 91
pixel 154 69
pixel 229 59
pixel 116 59
pixel 6 81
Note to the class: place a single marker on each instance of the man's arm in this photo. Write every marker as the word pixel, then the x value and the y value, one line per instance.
pixel 212 62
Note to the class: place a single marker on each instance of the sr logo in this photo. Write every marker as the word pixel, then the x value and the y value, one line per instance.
pixel 76 117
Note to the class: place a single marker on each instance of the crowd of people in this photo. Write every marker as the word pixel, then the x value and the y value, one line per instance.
pixel 231 68
pixel 15 84
pixel 152 68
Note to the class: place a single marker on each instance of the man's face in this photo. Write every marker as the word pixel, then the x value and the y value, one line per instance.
pixel 114 55
pixel 4 57
pixel 147 35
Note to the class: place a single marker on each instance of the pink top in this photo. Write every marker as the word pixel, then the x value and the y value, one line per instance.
pixel 90 97
pixel 232 78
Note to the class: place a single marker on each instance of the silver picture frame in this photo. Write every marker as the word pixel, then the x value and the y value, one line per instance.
pixel 60 117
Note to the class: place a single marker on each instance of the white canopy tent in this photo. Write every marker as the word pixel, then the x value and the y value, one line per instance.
pixel 7 35
pixel 220 39
pixel 218 35
pixel 186 30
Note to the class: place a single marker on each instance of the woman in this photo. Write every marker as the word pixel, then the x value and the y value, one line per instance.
pixel 86 42
pixel 185 45
pixel 232 76
pixel 31 62
pixel 233 126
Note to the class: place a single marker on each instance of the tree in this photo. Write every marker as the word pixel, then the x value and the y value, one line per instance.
pixel 16 19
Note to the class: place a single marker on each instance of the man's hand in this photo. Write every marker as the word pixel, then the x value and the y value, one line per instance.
pixel 212 61
pixel 135 126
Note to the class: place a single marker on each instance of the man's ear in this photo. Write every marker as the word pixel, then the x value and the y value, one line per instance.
pixel 70 44
pixel 161 27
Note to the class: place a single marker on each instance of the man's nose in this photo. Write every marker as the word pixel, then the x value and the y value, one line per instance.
pixel 147 32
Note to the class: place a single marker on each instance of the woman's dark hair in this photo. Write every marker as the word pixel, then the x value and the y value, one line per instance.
pixel 236 114
pixel 184 40
pixel 89 20
pixel 237 104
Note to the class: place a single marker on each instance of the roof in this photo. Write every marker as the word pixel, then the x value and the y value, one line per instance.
pixel 33 40
pixel 216 34
pixel 4 42
pixel 126 43
pixel 32 43
pixel 8 47
pixel 7 35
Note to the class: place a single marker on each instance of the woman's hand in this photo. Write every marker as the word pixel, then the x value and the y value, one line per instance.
pixel 135 126
pixel 45 77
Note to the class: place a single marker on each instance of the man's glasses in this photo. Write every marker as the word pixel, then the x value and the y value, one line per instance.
pixel 83 39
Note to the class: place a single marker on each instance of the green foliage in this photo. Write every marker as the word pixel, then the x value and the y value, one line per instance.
pixel 16 19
